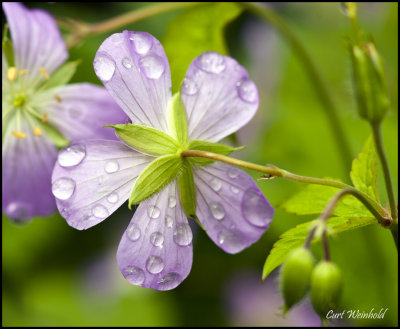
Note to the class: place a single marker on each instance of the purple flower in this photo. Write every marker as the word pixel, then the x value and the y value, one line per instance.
pixel 37 112
pixel 156 249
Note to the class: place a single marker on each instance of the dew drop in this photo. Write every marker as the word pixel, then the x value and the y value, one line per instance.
pixel 170 281
pixel 134 275
pixel 153 66
pixel 247 90
pixel 171 202
pixel 231 241
pixel 18 210
pixel 211 62
pixel 142 42
pixel 153 212
pixel 126 62
pixel 183 235
pixel 104 66
pixel 256 209
pixel 112 197
pixel 216 184
pixel 133 232
pixel 189 87
pixel 63 188
pixel 116 38
pixel 100 211
pixel 72 155
pixel 217 210
pixel 169 221
pixel 233 173
pixel 157 239
pixel 154 264
pixel 111 167
pixel 234 189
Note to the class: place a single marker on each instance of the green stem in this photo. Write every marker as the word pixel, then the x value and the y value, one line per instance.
pixel 268 15
pixel 376 130
pixel 273 171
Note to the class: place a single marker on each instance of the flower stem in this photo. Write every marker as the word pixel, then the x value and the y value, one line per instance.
pixel 321 90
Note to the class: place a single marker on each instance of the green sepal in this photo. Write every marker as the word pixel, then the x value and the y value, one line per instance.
pixel 8 48
pixel 155 176
pixel 187 189
pixel 177 120
pixel 210 147
pixel 146 139
pixel 62 76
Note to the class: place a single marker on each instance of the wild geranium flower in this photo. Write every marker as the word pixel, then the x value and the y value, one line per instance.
pixel 216 99
pixel 39 112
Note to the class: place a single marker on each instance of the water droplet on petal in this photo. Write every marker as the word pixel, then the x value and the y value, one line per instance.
pixel 134 275
pixel 153 212
pixel 216 184
pixel 63 188
pixel 104 66
pixel 211 62
pixel 154 264
pixel 72 155
pixel 234 189
pixel 112 197
pixel 247 90
pixel 217 210
pixel 142 42
pixel 233 173
pixel 157 239
pixel 170 281
pixel 189 87
pixel 256 209
pixel 231 241
pixel 169 221
pixel 126 62
pixel 116 38
pixel 171 202
pixel 18 210
pixel 183 235
pixel 152 66
pixel 100 211
pixel 133 232
pixel 111 166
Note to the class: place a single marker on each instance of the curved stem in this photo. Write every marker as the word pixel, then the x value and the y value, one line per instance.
pixel 268 15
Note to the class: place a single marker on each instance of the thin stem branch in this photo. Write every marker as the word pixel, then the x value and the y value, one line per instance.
pixel 326 246
pixel 321 90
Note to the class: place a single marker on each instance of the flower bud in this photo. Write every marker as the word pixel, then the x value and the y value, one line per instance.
pixel 326 287
pixel 295 276
pixel 369 82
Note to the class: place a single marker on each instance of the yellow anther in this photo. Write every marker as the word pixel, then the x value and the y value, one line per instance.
pixel 58 98
pixel 37 131
pixel 12 73
pixel 22 72
pixel 19 134
pixel 19 101
pixel 44 73
pixel 45 118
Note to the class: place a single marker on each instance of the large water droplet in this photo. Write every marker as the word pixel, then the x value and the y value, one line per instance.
pixel 231 241
pixel 216 184
pixel 111 166
pixel 133 232
pixel 152 66
pixel 142 42
pixel 169 221
pixel 211 62
pixel 100 211
pixel 189 87
pixel 104 66
pixel 63 188
pixel 217 210
pixel 157 239
pixel 153 212
pixel 72 155
pixel 170 281
pixel 233 173
pixel 112 197
pixel 247 90
pixel 154 264
pixel 256 209
pixel 126 62
pixel 171 202
pixel 183 234
pixel 18 210
pixel 134 275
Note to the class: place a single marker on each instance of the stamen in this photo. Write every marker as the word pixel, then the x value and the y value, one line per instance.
pixel 37 131
pixel 12 73
pixel 22 72
pixel 58 98
pixel 44 73
pixel 19 101
pixel 19 134
pixel 45 118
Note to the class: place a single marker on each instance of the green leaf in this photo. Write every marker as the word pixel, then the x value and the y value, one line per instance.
pixel 155 176
pixel 187 190
pixel 210 147
pixel 296 237
pixel 364 171
pixel 177 120
pixel 62 75
pixel 197 30
pixel 146 139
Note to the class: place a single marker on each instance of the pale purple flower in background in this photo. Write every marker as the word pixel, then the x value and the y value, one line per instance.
pixel 77 111
pixel 156 249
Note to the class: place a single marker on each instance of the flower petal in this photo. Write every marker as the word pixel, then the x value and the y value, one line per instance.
pixel 135 70
pixel 27 165
pixel 80 111
pixel 91 179
pixel 36 40
pixel 230 206
pixel 156 249
pixel 218 95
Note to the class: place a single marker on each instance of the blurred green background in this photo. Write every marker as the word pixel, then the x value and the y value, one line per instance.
pixel 54 275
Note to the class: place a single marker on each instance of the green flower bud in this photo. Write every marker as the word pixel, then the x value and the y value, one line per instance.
pixel 369 82
pixel 295 276
pixel 326 287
